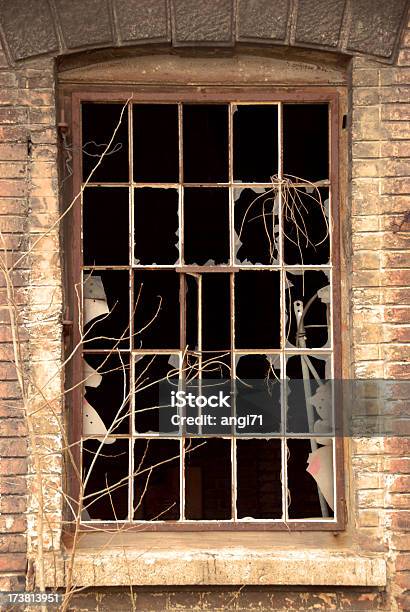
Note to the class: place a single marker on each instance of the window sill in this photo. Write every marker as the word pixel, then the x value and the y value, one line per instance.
pixel 180 563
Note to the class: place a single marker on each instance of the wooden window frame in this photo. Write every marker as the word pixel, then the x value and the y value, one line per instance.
pixel 71 102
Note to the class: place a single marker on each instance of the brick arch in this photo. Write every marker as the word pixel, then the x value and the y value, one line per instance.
pixel 58 27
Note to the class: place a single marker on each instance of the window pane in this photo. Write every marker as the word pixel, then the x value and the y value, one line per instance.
pixel 156 304
pixel 259 494
pixel 106 309
pixel 205 143
pixel 310 478
pixel 306 141
pixel 156 227
pixel 106 226
pixel 156 152
pixel 309 393
pixel 206 226
pixel 255 143
pixel 258 391
pixel 106 386
pixel 257 309
pixel 301 287
pixel 106 491
pixel 99 122
pixel 256 226
pixel 216 312
pixel 208 479
pixel 156 480
pixel 152 373
pixel 306 226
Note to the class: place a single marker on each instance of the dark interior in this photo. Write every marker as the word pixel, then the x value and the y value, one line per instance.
pixel 99 122
pixel 208 479
pixel 107 485
pixel 155 137
pixel 156 462
pixel 257 309
pixel 306 141
pixel 205 143
pixel 156 226
pixel 258 473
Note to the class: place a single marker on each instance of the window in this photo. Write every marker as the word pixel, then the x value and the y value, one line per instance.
pixel 208 255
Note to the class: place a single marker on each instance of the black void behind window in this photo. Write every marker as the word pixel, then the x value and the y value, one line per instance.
pixel 206 256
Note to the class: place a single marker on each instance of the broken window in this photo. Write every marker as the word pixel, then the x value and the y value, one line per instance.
pixel 207 258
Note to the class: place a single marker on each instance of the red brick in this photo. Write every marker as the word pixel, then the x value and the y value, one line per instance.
pixel 395 259
pixel 11 408
pixel 7 370
pixel 13 504
pixel 397 446
pixel 401 484
pixel 13 188
pixel 13 115
pixel 13 485
pixel 398 277
pixel 13 133
pixel 396 185
pixel 12 582
pixel 401 465
pixel 13 544
pixel 13 524
pixel 13 447
pixel 396 295
pixel 13 466
pixel 13 152
pixel 396 333
pixel 13 563
pixel 11 170
pixel 12 427
pixel 403 562
pixel 402 579
pixel 401 520
pixel 395 112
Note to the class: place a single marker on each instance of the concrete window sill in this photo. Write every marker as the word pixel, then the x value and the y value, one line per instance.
pixel 178 563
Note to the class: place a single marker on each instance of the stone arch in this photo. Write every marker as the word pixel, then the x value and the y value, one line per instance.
pixel 58 27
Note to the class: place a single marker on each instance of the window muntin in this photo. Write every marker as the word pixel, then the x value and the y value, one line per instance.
pixel 233 263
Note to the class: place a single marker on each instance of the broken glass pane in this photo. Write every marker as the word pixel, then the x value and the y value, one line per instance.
pixel 306 141
pixel 192 291
pixel 105 226
pixel 109 394
pixel 99 122
pixel 156 480
pixel 208 483
pixel 216 312
pixel 156 149
pixel 258 393
pixel 206 226
pixel 150 372
pixel 205 143
pixel 306 226
pixel 310 395
pixel 106 309
pixel 156 226
pixel 310 479
pixel 259 494
pixel 156 304
pixel 106 470
pixel 255 143
pixel 256 218
pixel 310 289
pixel 257 309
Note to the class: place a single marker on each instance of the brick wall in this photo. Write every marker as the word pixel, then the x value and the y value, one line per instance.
pixel 28 203
pixel 380 295
pixel 378 250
